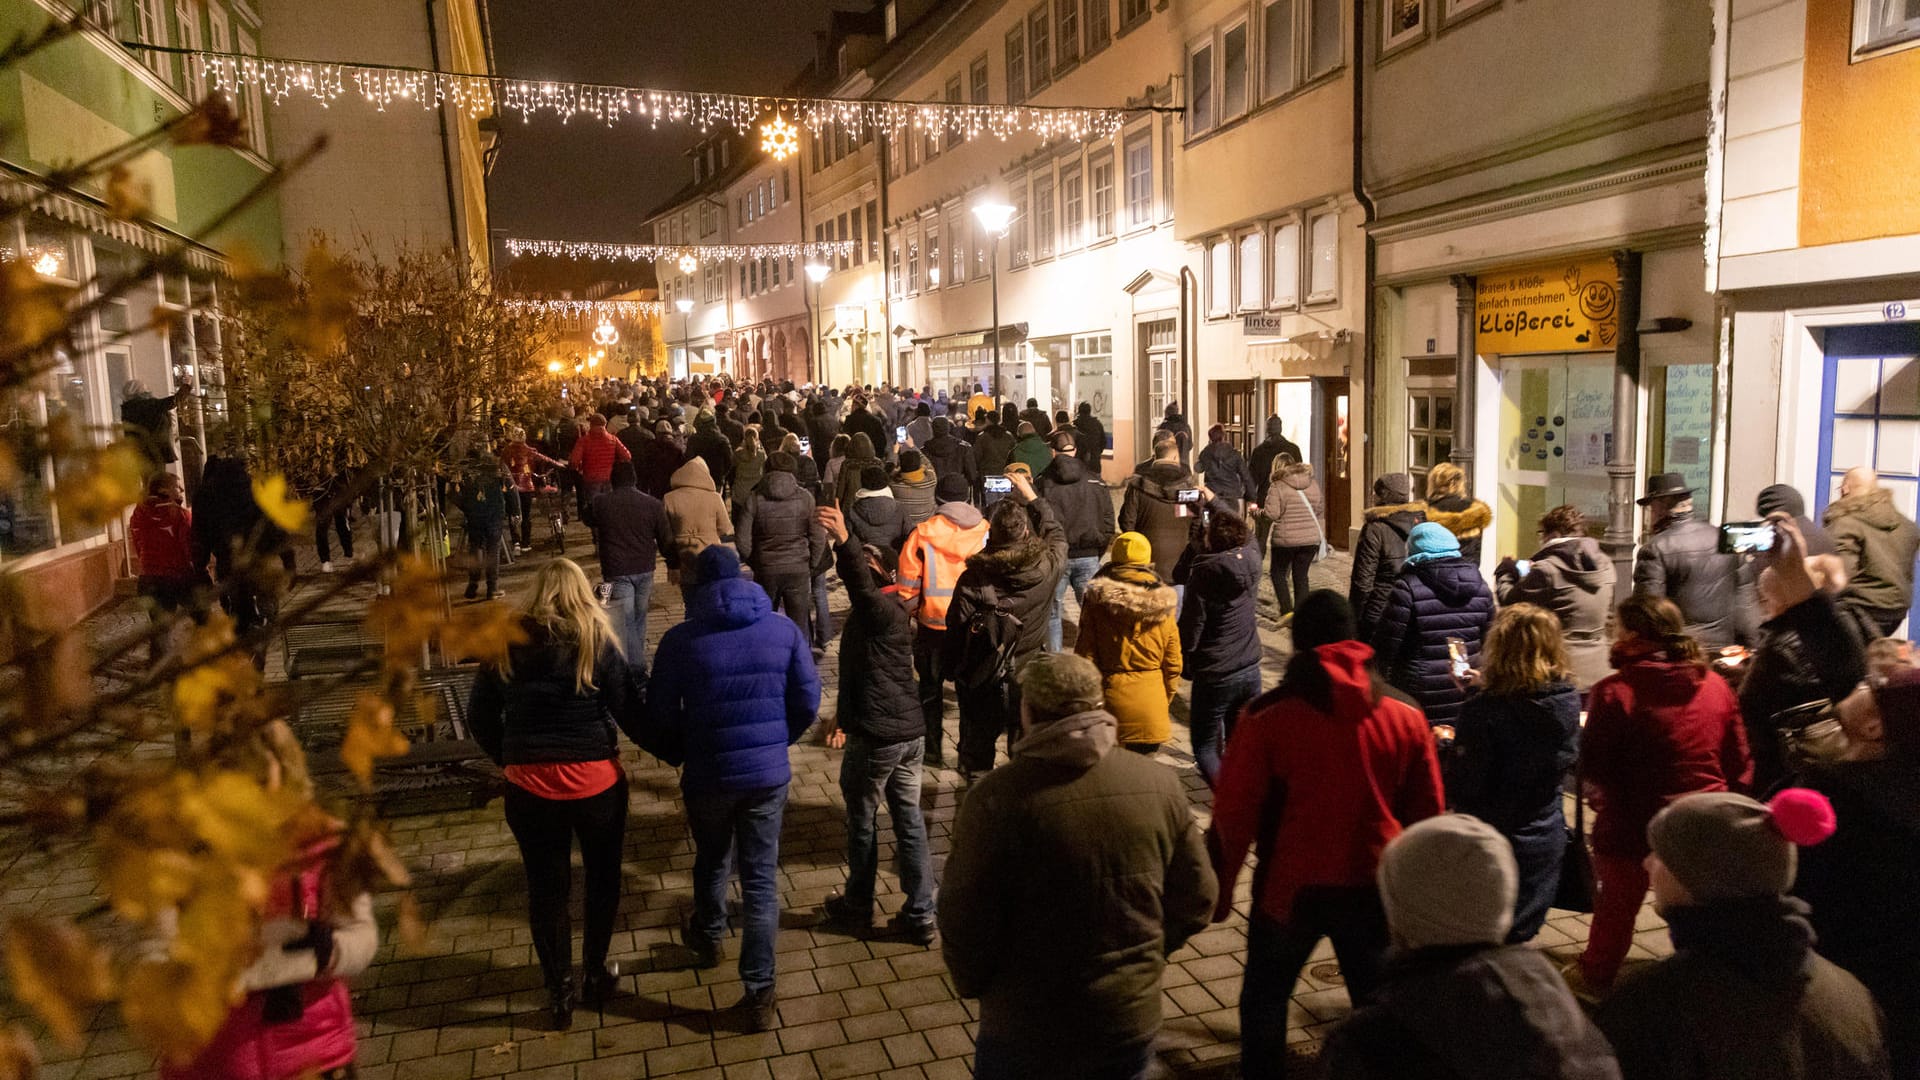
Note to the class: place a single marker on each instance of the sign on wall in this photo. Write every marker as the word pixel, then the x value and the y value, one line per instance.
pixel 1571 306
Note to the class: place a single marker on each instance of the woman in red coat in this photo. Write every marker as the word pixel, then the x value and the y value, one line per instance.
pixel 1663 725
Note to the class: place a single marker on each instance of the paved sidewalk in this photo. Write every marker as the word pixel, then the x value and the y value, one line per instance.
pixel 469 1004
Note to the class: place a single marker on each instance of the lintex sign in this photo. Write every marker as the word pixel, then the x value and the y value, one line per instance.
pixel 1568 306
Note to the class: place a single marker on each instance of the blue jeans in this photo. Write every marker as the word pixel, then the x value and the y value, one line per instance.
pixel 746 822
pixel 1211 711
pixel 1079 571
pixel 627 601
pixel 867 770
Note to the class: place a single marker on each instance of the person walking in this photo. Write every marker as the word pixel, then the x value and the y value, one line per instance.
pixel 955 475
pixel 862 420
pixel 1220 635
pixel 1030 449
pixel 997 619
pixel 749 467
pixel 592 459
pixel 1458 1000
pixel 1128 629
pixel 734 687
pixel 1382 548
pixel 1070 998
pixel 1877 543
pixel 1175 424
pixel 835 461
pixel 1296 509
pixel 992 448
pixel 1570 576
pixel 1439 604
pixel 805 472
pixel 1681 560
pixel 823 429
pixel 633 531
pixel 874 515
pixel 161 533
pixel 1090 437
pixel 878 723
pixel 696 512
pixel 549 717
pixel 778 537
pixel 1272 448
pixel 914 488
pixel 1152 507
pixel 860 457
pixel 1225 471
pixel 1042 424
pixel 1449 506
pixel 1321 773
pixel 1663 725
pixel 1517 735
pixel 482 501
pixel 710 446
pixel 1084 505
pixel 932 559
pixel 331 507
pixel 1744 995
pixel 519 458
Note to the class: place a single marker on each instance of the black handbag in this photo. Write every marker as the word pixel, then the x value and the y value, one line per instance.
pixel 1575 891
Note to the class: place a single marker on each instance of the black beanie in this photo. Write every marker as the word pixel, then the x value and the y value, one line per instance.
pixel 1781 499
pixel 873 478
pixel 1323 618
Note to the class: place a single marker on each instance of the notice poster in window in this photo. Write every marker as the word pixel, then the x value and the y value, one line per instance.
pixel 1589 416
pixel 1689 422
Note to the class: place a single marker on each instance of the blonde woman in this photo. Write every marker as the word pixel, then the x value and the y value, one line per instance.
pixel 749 465
pixel 1514 741
pixel 1448 504
pixel 805 469
pixel 1298 511
pixel 550 717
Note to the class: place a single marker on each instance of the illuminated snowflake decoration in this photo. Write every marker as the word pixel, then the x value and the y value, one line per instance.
pixel 605 334
pixel 780 138
pixel 688 264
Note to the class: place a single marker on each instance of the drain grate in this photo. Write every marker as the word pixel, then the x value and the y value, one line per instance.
pixel 1327 973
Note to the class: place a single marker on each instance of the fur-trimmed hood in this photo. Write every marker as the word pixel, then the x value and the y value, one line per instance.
pixel 1464 518
pixel 1010 563
pixel 1874 509
pixel 1134 591
pixel 1378 513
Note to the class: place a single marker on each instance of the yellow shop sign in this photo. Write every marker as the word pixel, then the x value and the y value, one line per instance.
pixel 1571 306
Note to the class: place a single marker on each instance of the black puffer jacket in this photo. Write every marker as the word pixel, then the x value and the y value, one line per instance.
pixel 1226 471
pixel 1470 1013
pixel 1260 462
pixel 1152 509
pixel 882 703
pixel 1219 633
pixel 953 467
pixel 1023 574
pixel 877 520
pixel 1377 558
pixel 1682 562
pixel 531 713
pixel 992 449
pixel 1806 654
pixel 776 533
pixel 1082 502
pixel 1089 441
pixel 1429 603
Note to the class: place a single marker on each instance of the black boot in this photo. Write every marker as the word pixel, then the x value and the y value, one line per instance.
pixel 599 985
pixel 560 1000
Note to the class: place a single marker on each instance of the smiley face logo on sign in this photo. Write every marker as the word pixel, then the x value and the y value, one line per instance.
pixel 1597 300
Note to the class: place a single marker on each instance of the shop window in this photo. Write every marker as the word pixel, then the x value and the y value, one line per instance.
pixel 1680 427
pixel 1093 378
pixel 1885 25
pixel 1556 436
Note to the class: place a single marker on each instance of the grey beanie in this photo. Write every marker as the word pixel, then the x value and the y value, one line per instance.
pixel 1393 488
pixel 1449 880
pixel 1724 846
pixel 1054 685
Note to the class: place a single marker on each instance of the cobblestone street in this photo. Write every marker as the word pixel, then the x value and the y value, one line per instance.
pixel 470 1003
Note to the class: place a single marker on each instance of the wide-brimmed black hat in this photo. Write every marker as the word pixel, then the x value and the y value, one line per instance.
pixel 1665 485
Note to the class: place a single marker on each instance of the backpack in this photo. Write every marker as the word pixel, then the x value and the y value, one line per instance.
pixel 992 636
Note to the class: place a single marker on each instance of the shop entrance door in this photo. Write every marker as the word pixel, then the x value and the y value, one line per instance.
pixel 1234 408
pixel 1870 408
pixel 1556 434
pixel 1334 450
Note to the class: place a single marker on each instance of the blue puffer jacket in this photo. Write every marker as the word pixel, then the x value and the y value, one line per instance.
pixel 732 688
pixel 1430 603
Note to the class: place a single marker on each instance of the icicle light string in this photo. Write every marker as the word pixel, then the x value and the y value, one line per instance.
pixel 602 309
pixel 382 85
pixel 699 253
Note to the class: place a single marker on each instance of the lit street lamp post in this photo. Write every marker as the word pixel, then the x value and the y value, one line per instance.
pixel 685 304
pixel 816 273
pixel 995 217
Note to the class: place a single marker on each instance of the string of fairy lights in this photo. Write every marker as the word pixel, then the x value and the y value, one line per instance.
pixel 599 310
pixel 687 257
pixel 779 119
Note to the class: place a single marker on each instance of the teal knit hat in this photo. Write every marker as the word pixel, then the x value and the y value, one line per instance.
pixel 1429 541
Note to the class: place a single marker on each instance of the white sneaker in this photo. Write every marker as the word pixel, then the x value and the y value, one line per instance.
pixel 326 568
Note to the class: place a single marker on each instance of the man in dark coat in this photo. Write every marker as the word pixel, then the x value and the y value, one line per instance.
pixel 734 687
pixel 874 515
pixel 861 420
pixel 1681 561
pixel 709 445
pixel 1084 505
pixel 1382 548
pixel 1037 416
pixel 1438 596
pixel 1220 634
pixel 1260 462
pixel 1878 544
pixel 1090 442
pixel 637 436
pixel 992 448
pixel 1458 1003
pixel 149 420
pixel 821 428
pixel 1152 506
pixel 1055 830
pixel 955 474
pixel 633 530
pixel 878 720
pixel 1744 996
pixel 1225 471
pixel 1175 424
pixel 778 537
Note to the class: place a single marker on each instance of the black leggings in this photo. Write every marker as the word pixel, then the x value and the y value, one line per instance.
pixel 545 830
pixel 1294 562
pixel 526 518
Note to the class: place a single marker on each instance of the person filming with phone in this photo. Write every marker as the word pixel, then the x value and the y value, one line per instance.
pixel 1681 559
pixel 1570 576
pixel 1436 617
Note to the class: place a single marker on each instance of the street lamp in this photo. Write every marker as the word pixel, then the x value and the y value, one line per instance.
pixel 685 304
pixel 995 218
pixel 817 273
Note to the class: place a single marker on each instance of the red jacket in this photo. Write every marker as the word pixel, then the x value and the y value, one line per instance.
pixel 1321 794
pixel 162 535
pixel 1656 730
pixel 593 456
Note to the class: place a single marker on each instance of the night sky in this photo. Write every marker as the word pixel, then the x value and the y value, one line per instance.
pixel 587 181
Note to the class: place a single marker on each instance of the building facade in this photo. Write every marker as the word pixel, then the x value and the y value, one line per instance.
pixel 68 103
pixel 1540 318
pixel 1814 245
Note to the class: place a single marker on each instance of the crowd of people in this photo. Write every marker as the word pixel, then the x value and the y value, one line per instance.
pixel 1741 726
